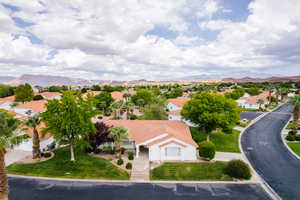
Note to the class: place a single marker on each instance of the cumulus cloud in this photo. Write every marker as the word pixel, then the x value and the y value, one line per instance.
pixel 113 39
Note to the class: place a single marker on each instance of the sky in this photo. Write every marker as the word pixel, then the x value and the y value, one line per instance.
pixel 150 39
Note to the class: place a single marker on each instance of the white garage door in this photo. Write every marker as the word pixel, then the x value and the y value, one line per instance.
pixel 173 153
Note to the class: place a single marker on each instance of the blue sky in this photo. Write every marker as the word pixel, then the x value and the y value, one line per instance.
pixel 150 39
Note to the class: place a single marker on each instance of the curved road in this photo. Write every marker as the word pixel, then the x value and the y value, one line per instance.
pixel 267 154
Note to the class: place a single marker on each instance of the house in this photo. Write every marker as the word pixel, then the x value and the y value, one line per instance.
pixel 252 102
pixel 119 95
pixel 51 95
pixel 7 102
pixel 174 106
pixel 30 108
pixel 160 140
pixel 27 145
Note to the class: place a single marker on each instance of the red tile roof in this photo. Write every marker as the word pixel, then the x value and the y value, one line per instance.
pixel 38 106
pixel 180 101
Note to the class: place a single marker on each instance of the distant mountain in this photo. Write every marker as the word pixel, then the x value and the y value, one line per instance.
pixel 6 78
pixel 44 80
pixel 260 80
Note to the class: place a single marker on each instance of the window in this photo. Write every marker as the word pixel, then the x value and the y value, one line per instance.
pixel 172 151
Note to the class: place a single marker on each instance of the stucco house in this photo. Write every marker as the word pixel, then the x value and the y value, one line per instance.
pixel 160 139
pixel 174 107
pixel 30 108
pixel 6 102
pixel 252 102
pixel 51 95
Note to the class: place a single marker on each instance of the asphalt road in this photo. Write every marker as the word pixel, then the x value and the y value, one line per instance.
pixel 268 155
pixel 249 115
pixel 34 189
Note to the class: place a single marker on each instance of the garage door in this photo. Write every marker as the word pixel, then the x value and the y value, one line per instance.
pixel 173 153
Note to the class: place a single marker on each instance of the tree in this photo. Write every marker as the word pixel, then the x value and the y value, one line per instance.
pixel 177 92
pixel 38 97
pixel 101 136
pixel 154 112
pixel 295 101
pixel 69 120
pixel 103 101
pixel 143 94
pixel 253 91
pixel 6 90
pixel 7 140
pixel 33 122
pixel 236 94
pixel 118 134
pixel 24 93
pixel 260 103
pixel 115 107
pixel 211 111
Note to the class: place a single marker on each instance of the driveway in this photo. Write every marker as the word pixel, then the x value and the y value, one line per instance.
pixel 250 115
pixel 36 189
pixel 266 152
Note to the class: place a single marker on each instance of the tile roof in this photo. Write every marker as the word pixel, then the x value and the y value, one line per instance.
pixel 180 101
pixel 50 95
pixel 29 131
pixel 6 99
pixel 38 106
pixel 119 95
pixel 171 142
pixel 254 99
pixel 143 130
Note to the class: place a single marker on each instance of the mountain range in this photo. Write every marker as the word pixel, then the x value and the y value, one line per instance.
pixel 46 80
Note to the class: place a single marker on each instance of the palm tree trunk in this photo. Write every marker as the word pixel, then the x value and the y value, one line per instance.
pixel 36 152
pixel 72 152
pixel 3 177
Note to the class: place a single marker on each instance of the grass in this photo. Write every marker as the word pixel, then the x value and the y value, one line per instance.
pixel 224 142
pixel 295 146
pixel 85 167
pixel 290 126
pixel 191 172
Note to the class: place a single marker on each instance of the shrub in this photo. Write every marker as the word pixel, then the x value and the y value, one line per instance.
pixel 108 149
pixel 129 165
pixel 207 150
pixel 123 150
pixel 238 169
pixel 38 97
pixel 46 154
pixel 130 156
pixel 297 137
pixel 290 137
pixel 97 151
pixel 120 161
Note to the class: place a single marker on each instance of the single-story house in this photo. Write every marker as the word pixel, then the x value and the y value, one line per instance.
pixel 174 106
pixel 160 140
pixel 252 102
pixel 30 108
pixel 6 102
pixel 27 145
pixel 51 95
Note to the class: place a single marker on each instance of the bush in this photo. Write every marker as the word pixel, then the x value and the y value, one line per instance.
pixel 238 169
pixel 120 161
pixel 46 154
pixel 207 150
pixel 108 149
pixel 129 165
pixel 38 97
pixel 130 156
pixel 123 150
pixel 290 137
pixel 297 137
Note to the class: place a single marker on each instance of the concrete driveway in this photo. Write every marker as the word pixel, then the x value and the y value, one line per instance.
pixel 36 189
pixel 15 155
pixel 268 155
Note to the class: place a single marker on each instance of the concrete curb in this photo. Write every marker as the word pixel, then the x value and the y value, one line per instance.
pixel 128 181
pixel 285 142
pixel 264 184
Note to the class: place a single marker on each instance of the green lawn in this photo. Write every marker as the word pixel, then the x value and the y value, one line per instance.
pixel 224 142
pixel 295 146
pixel 60 166
pixel 191 172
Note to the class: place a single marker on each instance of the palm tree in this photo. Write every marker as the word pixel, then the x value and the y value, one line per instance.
pixel 118 134
pixel 270 89
pixel 33 122
pixel 115 108
pixel 140 103
pixel 128 106
pixel 260 102
pixel 295 101
pixel 7 140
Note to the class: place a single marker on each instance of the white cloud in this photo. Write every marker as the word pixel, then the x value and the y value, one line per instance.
pixel 108 39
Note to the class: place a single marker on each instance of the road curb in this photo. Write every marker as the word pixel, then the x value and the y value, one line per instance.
pixel 128 181
pixel 264 184
pixel 285 142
